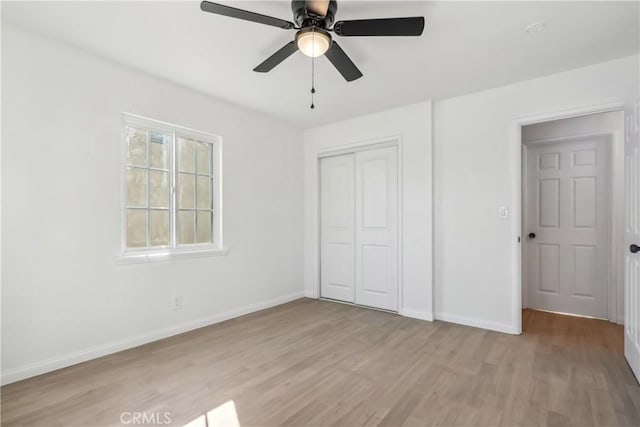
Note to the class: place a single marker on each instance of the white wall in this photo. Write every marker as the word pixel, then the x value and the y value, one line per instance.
pixel 64 297
pixel 474 163
pixel 413 124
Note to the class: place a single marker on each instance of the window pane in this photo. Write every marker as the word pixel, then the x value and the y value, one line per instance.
pixel 136 147
pixel 159 228
pixel 186 226
pixel 159 189
pixel 159 150
pixel 136 228
pixel 204 227
pixel 186 155
pixel 203 151
pixel 204 192
pixel 136 187
pixel 186 191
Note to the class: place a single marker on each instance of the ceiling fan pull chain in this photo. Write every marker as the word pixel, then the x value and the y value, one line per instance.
pixel 313 84
pixel 313 71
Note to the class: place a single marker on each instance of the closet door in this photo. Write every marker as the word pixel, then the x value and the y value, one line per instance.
pixel 376 226
pixel 337 228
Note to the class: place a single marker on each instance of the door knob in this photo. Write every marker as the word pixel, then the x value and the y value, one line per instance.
pixel 634 248
pixel 533 236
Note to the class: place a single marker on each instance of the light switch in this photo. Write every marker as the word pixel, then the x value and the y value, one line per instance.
pixel 503 212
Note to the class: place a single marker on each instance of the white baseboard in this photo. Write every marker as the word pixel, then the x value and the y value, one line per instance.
pixel 416 314
pixel 63 361
pixel 311 294
pixel 476 323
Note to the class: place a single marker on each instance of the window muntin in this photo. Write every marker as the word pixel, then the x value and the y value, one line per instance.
pixel 170 188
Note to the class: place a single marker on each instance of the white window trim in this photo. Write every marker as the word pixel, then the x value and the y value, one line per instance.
pixel 129 255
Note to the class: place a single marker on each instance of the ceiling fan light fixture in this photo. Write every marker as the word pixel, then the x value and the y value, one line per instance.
pixel 313 42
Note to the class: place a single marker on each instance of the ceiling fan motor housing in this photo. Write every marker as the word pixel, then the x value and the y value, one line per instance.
pixel 303 18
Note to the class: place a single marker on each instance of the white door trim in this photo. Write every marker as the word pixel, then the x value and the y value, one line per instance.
pixel 391 141
pixel 516 191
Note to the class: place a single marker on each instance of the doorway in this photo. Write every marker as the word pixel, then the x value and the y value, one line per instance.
pixel 359 227
pixel 571 207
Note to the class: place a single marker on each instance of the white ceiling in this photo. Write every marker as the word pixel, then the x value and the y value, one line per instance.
pixel 466 47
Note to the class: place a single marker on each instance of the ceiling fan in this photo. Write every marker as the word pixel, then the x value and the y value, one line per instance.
pixel 314 20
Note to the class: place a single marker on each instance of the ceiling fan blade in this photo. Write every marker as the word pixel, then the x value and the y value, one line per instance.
pixel 317 7
pixel 232 12
pixel 269 64
pixel 343 63
pixel 380 27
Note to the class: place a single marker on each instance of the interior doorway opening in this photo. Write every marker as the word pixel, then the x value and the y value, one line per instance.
pixel 572 216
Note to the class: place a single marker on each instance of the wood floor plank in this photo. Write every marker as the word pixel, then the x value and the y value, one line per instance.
pixel 320 363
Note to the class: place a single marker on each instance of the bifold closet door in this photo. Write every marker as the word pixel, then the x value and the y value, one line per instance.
pixel 376 227
pixel 337 227
pixel 359 228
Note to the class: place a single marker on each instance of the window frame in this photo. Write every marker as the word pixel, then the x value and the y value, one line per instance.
pixel 173 250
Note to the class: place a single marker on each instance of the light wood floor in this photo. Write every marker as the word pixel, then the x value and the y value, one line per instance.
pixel 320 363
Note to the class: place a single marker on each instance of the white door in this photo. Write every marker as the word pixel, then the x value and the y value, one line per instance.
pixel 377 228
pixel 337 227
pixel 568 215
pixel 359 228
pixel 632 257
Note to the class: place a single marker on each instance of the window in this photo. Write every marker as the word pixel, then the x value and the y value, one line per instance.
pixel 172 187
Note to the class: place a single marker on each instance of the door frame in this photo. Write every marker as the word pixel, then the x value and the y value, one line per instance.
pixel 609 139
pixel 392 141
pixel 517 196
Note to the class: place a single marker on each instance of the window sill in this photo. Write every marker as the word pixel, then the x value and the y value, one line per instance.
pixel 144 257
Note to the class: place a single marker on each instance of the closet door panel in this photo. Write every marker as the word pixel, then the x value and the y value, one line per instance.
pixel 337 227
pixel 376 228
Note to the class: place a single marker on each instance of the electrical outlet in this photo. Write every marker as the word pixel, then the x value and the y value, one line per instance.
pixel 177 303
